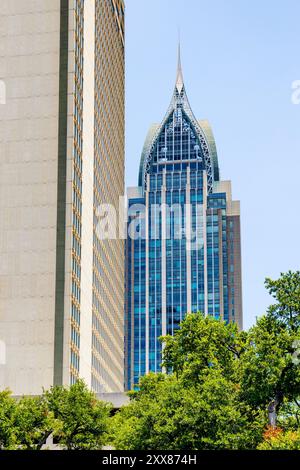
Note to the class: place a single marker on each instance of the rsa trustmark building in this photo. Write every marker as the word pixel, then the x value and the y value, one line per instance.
pixel 186 255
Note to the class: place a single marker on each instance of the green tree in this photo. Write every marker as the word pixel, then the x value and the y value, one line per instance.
pixel 269 367
pixel 197 406
pixel 84 419
pixel 221 386
pixel 286 291
pixel 33 423
pixel 7 413
pixel 166 414
pixel 74 416
pixel 240 380
pixel 203 343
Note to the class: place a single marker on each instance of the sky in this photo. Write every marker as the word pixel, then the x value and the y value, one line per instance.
pixel 240 59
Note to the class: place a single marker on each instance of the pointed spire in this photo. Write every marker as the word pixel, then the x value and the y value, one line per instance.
pixel 179 78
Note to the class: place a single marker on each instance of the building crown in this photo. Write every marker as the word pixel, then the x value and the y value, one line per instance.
pixel 179 78
pixel 180 108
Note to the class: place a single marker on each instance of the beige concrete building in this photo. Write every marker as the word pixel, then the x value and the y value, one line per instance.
pixel 61 155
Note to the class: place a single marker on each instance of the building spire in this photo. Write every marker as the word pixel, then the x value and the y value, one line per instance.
pixel 179 78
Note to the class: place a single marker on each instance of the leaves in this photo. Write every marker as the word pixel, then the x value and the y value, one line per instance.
pixel 286 291
pixel 203 343
pixel 168 414
pixel 7 412
pixel 75 418
pixel 33 423
pixel 221 387
pixel 221 382
pixel 279 440
pixel 84 420
pixel 269 366
pixel 198 405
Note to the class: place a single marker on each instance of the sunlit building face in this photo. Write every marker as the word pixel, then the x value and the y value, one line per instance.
pixel 61 156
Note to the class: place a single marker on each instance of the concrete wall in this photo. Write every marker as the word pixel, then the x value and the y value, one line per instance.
pixel 29 67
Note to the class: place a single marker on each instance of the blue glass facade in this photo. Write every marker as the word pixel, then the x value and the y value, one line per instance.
pixel 177 247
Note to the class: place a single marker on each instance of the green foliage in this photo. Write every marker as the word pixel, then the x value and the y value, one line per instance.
pixel 7 412
pixel 286 291
pixel 166 414
pixel 203 343
pixel 221 386
pixel 279 440
pixel 270 372
pixel 198 406
pixel 289 417
pixel 222 383
pixel 267 368
pixel 84 419
pixel 74 416
pixel 33 423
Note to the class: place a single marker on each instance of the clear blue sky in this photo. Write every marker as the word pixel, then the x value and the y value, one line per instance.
pixel 239 59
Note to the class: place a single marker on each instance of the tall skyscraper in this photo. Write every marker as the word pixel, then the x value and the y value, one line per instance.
pixel 183 252
pixel 61 156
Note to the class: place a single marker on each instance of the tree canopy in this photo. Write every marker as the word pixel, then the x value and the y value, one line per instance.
pixel 73 416
pixel 84 420
pixel 197 406
pixel 224 387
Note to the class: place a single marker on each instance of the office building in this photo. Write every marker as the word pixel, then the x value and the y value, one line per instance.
pixel 61 156
pixel 183 252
